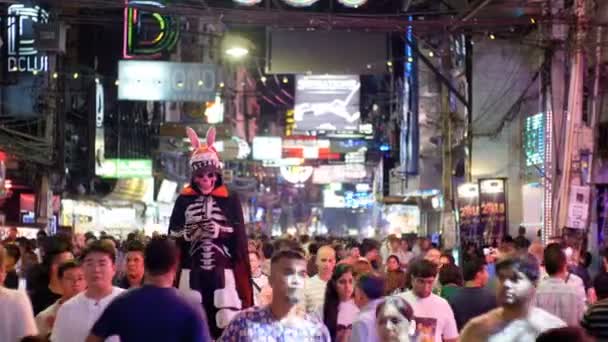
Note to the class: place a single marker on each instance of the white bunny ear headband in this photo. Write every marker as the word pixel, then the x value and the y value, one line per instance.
pixel 204 156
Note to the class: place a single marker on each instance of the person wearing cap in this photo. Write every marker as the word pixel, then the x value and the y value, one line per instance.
pixel 207 220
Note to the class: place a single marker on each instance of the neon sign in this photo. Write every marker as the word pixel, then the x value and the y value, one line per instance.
pixel 248 2
pixel 22 54
pixel 148 34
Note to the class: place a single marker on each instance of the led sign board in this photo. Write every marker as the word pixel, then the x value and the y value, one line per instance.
pixel 125 168
pixel 300 3
pixel 166 81
pixel 248 2
pixel 327 103
pixel 267 148
pixel 148 34
pixel 534 139
pixel 22 54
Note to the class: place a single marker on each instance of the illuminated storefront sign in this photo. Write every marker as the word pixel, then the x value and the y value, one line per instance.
pixel 148 34
pixel 22 54
pixel 166 81
pixel 534 139
pixel 296 174
pixel 325 174
pixel 125 168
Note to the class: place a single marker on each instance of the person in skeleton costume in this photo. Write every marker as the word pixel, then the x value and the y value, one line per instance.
pixel 208 223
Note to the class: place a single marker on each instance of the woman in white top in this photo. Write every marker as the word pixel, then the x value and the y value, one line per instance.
pixel 395 320
pixel 339 309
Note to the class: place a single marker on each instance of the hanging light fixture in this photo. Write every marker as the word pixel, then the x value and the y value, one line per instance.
pixel 300 3
pixel 352 3
pixel 247 2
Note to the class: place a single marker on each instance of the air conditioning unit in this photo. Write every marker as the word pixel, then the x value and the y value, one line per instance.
pixel 50 37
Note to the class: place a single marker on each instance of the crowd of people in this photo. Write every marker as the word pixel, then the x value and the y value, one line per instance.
pixel 86 288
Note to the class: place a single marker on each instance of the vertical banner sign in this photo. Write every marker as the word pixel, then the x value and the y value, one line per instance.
pixel 148 34
pixel 468 213
pixel 493 209
pixel 602 213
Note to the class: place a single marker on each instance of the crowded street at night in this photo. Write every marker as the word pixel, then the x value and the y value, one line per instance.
pixel 303 171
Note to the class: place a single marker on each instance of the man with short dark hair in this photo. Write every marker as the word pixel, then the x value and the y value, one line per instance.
pixel 134 276
pixel 521 241
pixel 71 277
pixel 553 294
pixel 473 299
pixel 76 316
pixel 368 294
pixel 434 317
pixel 155 311
pixel 595 319
pixel 516 320
pixel 283 319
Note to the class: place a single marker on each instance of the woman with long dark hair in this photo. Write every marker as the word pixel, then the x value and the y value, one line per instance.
pixel 339 309
pixel 395 277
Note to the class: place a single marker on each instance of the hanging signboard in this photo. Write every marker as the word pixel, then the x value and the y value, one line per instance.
pixel 125 168
pixel 493 209
pixel 327 103
pixel 138 42
pixel 166 81
pixel 296 174
pixel 468 213
pixel 578 207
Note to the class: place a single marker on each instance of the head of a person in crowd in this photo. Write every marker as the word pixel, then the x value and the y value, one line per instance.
pixel 304 239
pixel 586 259
pixel 475 273
pixel 521 231
pixel 353 250
pixel 340 251
pixel 71 277
pixel 313 248
pixel 433 255
pixel 600 284
pixel 57 252
pixel 395 320
pixel 517 278
pixel 254 262
pixel 339 289
pixel 287 277
pixel 13 254
pixel 361 266
pixel 161 260
pixel 446 259
pixel 565 334
pixel 12 234
pixel 422 276
pixel 79 241
pixel 41 237
pixel 405 245
pixel 252 245
pixel 98 264
pixel 370 250
pixel 135 262
pixel 392 264
pixel 110 240
pixel 267 250
pixel 369 287
pixel 326 262
pixel 394 243
pixel 555 260
pixel 450 275
pixel 425 244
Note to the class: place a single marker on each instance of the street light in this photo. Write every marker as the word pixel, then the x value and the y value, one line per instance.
pixel 236 47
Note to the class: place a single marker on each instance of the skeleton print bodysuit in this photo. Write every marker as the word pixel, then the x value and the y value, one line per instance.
pixel 213 241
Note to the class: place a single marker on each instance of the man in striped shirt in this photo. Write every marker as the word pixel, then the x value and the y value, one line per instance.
pixel 595 321
pixel 554 294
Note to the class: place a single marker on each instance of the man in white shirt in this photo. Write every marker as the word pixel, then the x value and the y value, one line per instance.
pixel 553 294
pixel 516 320
pixel 76 316
pixel 368 294
pixel 16 313
pixel 433 315
pixel 314 291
